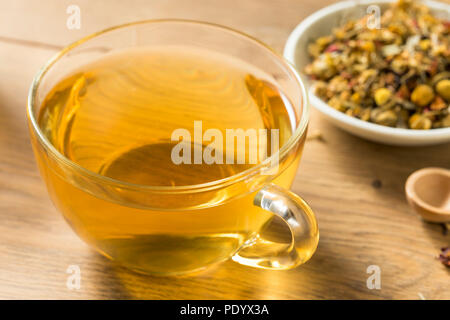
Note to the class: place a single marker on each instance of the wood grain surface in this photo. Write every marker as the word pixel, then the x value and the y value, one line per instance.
pixel 354 186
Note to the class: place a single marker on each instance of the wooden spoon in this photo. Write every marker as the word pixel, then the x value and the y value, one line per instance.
pixel 428 193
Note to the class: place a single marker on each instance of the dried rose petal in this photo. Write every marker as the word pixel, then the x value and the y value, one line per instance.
pixel 332 48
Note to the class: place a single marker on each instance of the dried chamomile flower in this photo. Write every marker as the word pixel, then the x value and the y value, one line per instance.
pixel 443 89
pixel 382 96
pixel 419 122
pixel 422 95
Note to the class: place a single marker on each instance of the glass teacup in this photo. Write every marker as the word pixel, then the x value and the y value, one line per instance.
pixel 170 229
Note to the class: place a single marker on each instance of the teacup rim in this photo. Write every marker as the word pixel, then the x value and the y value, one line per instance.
pixel 281 153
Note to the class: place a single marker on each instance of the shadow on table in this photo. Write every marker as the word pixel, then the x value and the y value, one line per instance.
pixel 216 282
pixel 388 167
pixel 232 281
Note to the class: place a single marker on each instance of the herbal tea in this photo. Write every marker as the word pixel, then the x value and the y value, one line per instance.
pixel 116 116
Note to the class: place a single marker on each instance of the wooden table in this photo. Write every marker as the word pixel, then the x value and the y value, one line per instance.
pixel 354 186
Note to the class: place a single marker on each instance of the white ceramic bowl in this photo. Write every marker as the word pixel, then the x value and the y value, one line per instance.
pixel 321 23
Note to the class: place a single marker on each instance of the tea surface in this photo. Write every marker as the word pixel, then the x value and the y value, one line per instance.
pixel 116 116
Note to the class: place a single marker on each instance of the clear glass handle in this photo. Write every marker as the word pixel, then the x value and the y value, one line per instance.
pixel 296 213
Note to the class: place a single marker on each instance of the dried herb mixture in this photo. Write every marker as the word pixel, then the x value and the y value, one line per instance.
pixel 444 257
pixel 397 75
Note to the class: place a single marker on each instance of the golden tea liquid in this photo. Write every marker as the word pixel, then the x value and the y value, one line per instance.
pixel 115 117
